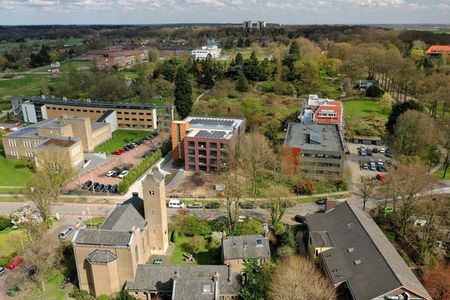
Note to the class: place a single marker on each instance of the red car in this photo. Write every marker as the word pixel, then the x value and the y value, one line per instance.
pixel 118 152
pixel 15 261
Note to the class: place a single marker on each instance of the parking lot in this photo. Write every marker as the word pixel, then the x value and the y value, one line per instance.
pixel 368 165
pixel 126 160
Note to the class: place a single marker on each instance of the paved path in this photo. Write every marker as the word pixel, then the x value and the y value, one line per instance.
pixel 442 159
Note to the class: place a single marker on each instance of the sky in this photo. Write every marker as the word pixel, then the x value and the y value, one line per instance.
pixel 31 12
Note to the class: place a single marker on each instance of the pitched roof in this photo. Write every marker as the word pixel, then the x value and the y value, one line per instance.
pixel 438 49
pixel 123 218
pixel 361 255
pixel 192 282
pixel 101 257
pixel 245 246
pixel 86 236
pixel 330 113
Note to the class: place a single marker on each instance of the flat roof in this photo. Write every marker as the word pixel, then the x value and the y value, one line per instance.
pixel 90 103
pixel 319 137
pixel 60 142
pixel 213 127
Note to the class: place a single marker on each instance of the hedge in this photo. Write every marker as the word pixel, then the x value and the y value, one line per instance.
pixel 138 170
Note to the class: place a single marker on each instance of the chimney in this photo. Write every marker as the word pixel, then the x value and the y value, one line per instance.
pixel 331 204
pixel 229 272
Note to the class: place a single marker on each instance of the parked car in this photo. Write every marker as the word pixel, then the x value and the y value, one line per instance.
pixel 248 206
pixel 157 261
pixel 107 188
pixel 175 203
pixel 365 166
pixel 381 177
pixel 87 185
pixel 64 234
pixel 375 150
pixel 99 187
pixel 2 271
pixel 14 262
pixel 94 186
pixel 114 189
pixel 382 150
pixel 300 219
pixel 369 151
pixel 116 173
pixel 242 218
pixel 110 173
pixel 195 205
pixel 123 173
pixel 388 152
pixel 118 152
pixel 126 148
pixel 321 201
pixel 30 271
pixel 212 205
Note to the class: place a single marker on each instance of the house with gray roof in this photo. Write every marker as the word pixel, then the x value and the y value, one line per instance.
pixel 236 250
pixel 357 257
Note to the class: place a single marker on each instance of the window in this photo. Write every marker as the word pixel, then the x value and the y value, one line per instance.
pixel 259 243
pixel 207 289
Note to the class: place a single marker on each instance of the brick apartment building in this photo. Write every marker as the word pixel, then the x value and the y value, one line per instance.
pixel 70 135
pixel 201 141
pixel 316 150
pixel 116 56
pixel 119 115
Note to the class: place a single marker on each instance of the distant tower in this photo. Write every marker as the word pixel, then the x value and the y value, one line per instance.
pixel 155 210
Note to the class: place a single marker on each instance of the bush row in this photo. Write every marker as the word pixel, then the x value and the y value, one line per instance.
pixel 138 170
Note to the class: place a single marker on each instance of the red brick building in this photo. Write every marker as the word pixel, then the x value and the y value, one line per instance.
pixel 201 141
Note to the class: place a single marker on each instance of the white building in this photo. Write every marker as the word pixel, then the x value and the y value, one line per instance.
pixel 211 49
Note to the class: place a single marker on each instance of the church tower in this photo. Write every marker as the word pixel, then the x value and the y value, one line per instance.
pixel 155 210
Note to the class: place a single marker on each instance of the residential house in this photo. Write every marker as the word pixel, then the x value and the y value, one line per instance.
pixel 357 258
pixel 438 50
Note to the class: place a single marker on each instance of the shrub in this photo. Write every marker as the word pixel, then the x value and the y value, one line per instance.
pixel 191 225
pixel 285 251
pixel 195 244
pixel 123 295
pixel 138 171
pixel 4 223
pixel 103 297
pixel 303 187
pixel 374 91
pixel 80 295
pixel 248 227
pixel 174 238
pixel 278 228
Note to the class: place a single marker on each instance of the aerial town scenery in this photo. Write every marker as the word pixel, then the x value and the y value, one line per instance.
pixel 224 150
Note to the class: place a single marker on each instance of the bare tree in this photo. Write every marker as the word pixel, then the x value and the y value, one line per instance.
pixel 366 187
pixel 410 181
pixel 53 170
pixel 278 196
pixel 296 278
pixel 233 194
pixel 254 157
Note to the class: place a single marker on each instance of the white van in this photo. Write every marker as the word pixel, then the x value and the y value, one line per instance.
pixel 175 203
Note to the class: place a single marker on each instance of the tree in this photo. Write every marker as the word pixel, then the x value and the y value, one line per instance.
pixel 257 278
pixel 191 225
pixel 183 93
pixel 278 196
pixel 242 83
pixel 297 278
pixel 366 186
pixel 385 102
pixel 414 134
pixel 374 91
pixel 195 244
pixel 124 295
pixel 255 156
pixel 248 227
pixel 233 195
pixel 399 108
pixel 53 170
pixel 251 67
pixel 54 55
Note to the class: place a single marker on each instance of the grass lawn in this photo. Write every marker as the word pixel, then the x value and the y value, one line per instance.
pixel 24 85
pixel 362 108
pixel 95 222
pixel 440 172
pixel 120 138
pixel 13 172
pixel 52 290
pixel 9 239
pixel 204 257
pixel 11 190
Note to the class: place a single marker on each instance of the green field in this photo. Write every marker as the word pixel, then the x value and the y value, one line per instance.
pixel 37 43
pixel 120 138
pixel 13 172
pixel 52 288
pixel 204 257
pixel 8 238
pixel 362 108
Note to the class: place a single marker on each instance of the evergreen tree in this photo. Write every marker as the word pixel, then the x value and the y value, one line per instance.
pixel 183 93
pixel 236 66
pixel 251 67
pixel 239 59
pixel 290 59
pixel 241 83
pixel 294 50
pixel 206 75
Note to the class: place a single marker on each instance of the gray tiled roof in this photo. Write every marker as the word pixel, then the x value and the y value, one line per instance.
pixel 101 257
pixel 123 218
pixel 361 255
pixel 245 246
pixel 86 236
pixel 190 280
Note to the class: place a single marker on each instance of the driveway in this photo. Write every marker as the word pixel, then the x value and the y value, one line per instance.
pixel 132 158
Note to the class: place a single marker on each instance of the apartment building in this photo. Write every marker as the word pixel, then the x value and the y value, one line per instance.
pixel 116 56
pixel 200 142
pixel 248 25
pixel 211 50
pixel 118 115
pixel 316 150
pixel 71 135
